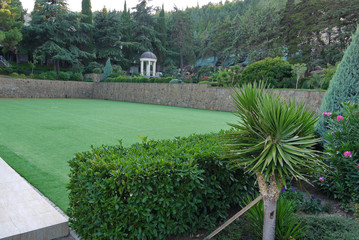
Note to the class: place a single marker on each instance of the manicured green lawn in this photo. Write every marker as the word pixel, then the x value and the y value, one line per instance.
pixel 39 136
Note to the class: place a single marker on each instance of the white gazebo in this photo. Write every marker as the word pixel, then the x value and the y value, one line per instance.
pixel 150 60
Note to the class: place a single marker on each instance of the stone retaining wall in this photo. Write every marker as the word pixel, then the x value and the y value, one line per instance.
pixel 30 88
pixel 201 96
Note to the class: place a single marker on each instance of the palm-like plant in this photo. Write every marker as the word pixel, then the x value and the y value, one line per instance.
pixel 274 140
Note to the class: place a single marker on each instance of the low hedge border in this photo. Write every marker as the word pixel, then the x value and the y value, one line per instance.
pixel 153 189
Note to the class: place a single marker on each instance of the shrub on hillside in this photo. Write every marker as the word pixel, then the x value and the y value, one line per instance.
pixel 342 148
pixel 344 86
pixel 153 189
pixel 51 75
pixel 272 70
pixel 14 75
pixel 90 68
pixel 76 76
pixel 327 75
pixel 64 76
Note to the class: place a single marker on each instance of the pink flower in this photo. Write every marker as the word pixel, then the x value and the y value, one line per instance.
pixel 347 154
pixel 339 118
pixel 358 166
pixel 335 131
pixel 321 179
pixel 324 113
pixel 329 113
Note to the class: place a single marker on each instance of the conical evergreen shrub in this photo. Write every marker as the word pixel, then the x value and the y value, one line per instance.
pixel 107 70
pixel 344 86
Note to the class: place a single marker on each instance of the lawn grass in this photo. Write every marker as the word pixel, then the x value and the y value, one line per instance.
pixel 39 136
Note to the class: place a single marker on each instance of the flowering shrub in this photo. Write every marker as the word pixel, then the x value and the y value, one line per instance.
pixel 342 148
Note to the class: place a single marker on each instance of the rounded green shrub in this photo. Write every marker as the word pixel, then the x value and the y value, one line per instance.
pixel 97 70
pixel 153 189
pixel 65 76
pixel 14 74
pixel 90 68
pixel 77 76
pixel 272 70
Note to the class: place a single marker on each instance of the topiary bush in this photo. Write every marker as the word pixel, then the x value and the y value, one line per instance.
pixel 342 148
pixel 153 189
pixel 344 87
pixel 272 70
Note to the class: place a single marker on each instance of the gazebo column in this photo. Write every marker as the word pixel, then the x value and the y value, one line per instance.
pixel 154 69
pixel 142 68
pixel 148 69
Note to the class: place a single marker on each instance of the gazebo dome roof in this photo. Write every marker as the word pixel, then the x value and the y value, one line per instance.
pixel 148 54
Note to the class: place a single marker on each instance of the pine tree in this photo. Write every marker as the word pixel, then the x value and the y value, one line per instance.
pixel 344 87
pixel 107 36
pixel 56 33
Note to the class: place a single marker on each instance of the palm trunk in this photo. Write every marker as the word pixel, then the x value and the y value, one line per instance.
pixel 270 195
pixel 269 218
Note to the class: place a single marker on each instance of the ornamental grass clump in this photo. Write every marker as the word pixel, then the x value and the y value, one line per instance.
pixel 273 140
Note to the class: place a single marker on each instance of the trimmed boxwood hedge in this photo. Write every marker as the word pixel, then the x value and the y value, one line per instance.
pixel 153 189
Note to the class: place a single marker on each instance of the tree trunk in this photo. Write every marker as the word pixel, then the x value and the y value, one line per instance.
pixel 269 217
pixel 270 195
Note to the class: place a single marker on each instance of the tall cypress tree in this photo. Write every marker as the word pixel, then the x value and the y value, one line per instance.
pixel 344 86
pixel 161 29
pixel 127 43
pixel 86 11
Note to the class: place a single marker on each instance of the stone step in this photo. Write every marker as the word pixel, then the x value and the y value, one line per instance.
pixel 24 212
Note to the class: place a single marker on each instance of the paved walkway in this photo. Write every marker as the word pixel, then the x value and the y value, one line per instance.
pixel 24 213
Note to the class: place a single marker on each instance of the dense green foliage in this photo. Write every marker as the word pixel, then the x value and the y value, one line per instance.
pixel 11 22
pixel 329 227
pixel 342 148
pixel 287 224
pixel 271 70
pixel 344 86
pixel 313 32
pixel 153 189
pixel 55 33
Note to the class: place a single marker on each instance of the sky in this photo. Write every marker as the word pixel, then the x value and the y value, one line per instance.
pixel 75 5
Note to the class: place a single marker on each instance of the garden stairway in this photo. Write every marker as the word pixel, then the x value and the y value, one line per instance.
pixel 24 213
